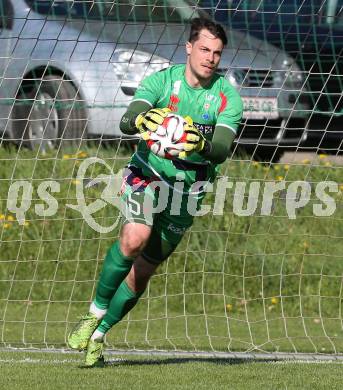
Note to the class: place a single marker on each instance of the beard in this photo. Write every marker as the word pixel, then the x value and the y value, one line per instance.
pixel 203 78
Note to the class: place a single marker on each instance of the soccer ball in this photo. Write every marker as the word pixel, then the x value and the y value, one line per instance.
pixel 167 141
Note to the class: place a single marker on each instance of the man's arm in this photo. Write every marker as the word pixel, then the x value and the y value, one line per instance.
pixel 127 122
pixel 228 121
pixel 146 97
pixel 217 150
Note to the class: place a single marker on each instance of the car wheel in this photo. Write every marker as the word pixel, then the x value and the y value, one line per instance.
pixel 49 116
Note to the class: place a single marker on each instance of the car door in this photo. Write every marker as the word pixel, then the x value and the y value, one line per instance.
pixel 6 47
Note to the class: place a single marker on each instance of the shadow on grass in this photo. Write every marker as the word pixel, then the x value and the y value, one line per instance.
pixel 182 360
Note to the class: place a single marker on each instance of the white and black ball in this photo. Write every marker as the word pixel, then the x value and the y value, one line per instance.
pixel 167 141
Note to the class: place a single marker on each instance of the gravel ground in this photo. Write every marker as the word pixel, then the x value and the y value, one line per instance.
pixel 313 158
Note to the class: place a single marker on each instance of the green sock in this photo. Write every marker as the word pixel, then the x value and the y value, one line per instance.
pixel 115 268
pixel 122 302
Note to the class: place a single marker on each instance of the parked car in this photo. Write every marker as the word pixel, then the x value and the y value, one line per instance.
pixel 311 32
pixel 68 71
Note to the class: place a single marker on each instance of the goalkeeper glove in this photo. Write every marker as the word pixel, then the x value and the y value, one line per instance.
pixel 195 141
pixel 150 120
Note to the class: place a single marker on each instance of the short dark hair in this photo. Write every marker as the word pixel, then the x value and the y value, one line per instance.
pixel 198 24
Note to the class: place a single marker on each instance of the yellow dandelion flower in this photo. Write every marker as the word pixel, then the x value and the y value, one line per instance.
pixel 2 217
pixel 286 167
pixel 322 156
pixel 305 161
pixel 26 223
pixel 280 178
pixel 328 164
pixel 229 307
pixel 6 225
pixel 82 154
pixel 274 300
pixel 75 181
pixel 255 163
pixel 10 218
pixel 276 168
pixel 66 156
pixel 305 245
pixel 340 187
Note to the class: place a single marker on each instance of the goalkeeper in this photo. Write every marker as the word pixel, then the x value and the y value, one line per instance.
pixel 194 90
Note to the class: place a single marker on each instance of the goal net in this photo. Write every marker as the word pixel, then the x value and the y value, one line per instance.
pixel 261 269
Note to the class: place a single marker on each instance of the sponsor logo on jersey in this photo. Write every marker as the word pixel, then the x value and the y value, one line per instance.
pixel 205 129
pixel 211 98
pixel 141 87
pixel 176 229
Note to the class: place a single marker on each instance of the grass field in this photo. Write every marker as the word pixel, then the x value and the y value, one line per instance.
pixel 63 371
pixel 237 283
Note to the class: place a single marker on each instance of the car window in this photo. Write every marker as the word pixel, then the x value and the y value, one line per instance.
pixel 122 10
pixel 262 14
pixel 6 14
pixel 77 9
pixel 149 11
pixel 139 11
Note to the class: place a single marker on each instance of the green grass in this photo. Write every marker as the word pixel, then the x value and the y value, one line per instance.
pixel 235 283
pixel 57 371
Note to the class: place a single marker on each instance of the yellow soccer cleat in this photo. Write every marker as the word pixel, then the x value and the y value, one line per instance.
pixel 82 332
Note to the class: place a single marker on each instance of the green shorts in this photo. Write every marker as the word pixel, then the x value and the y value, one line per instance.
pixel 148 200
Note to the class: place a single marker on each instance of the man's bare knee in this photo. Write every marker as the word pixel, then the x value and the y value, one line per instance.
pixel 133 238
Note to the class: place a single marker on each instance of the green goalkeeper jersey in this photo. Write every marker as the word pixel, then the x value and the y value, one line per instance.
pixel 217 104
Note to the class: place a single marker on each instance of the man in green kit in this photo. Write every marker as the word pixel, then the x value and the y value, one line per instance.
pixel 192 90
